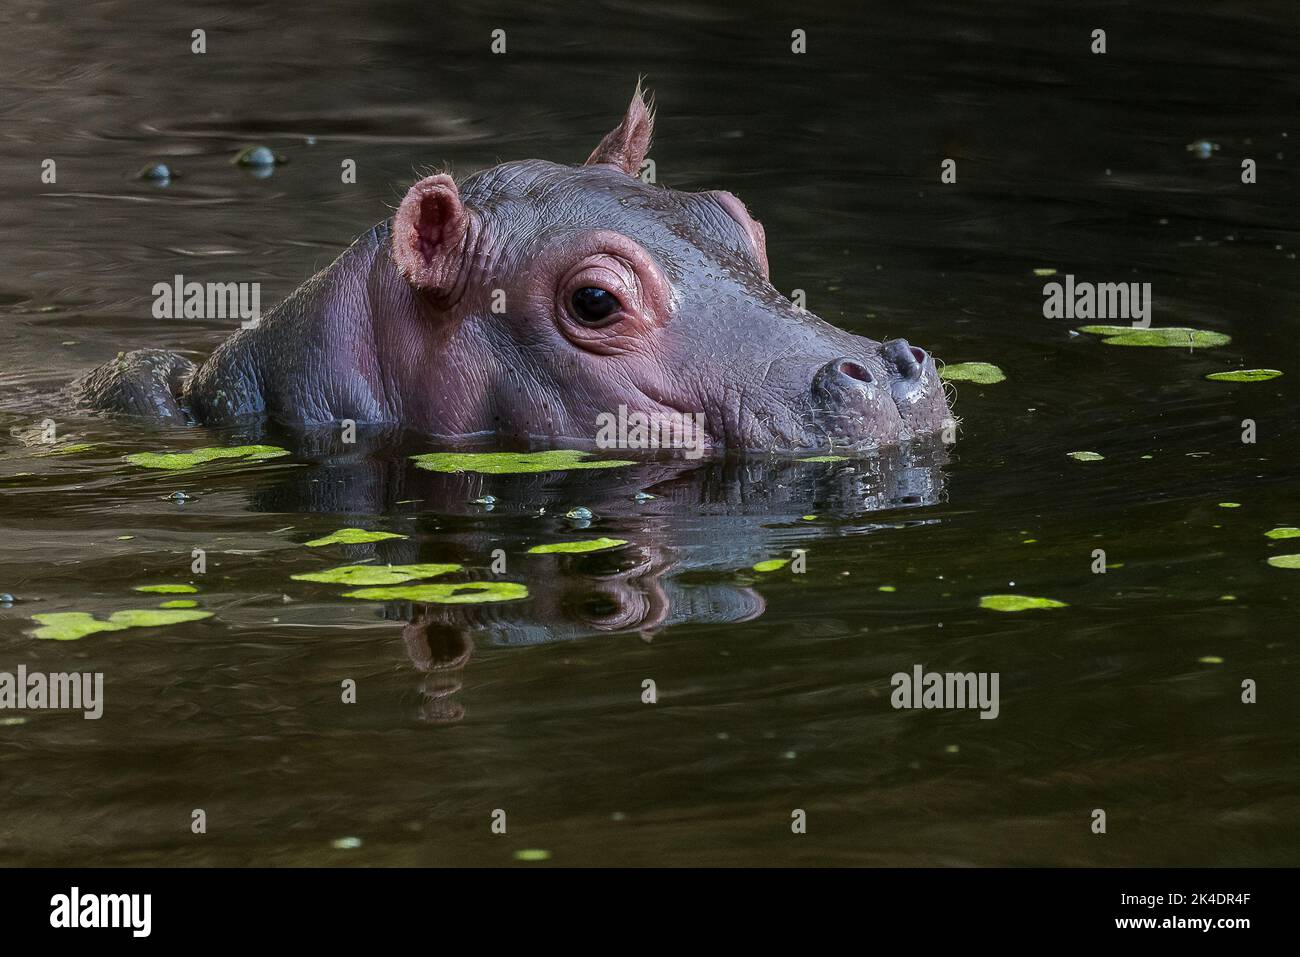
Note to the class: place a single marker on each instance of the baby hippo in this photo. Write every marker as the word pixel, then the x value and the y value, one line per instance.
pixel 535 300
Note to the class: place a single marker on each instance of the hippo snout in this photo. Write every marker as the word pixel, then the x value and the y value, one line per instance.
pixel 845 376
pixel 869 399
pixel 908 360
pixel 913 372
pixel 853 401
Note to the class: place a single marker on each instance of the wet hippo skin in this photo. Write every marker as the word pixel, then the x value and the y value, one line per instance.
pixel 533 297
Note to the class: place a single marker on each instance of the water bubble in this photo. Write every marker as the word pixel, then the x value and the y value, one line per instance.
pixel 159 173
pixel 256 156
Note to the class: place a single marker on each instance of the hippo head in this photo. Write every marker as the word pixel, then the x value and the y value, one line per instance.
pixel 566 292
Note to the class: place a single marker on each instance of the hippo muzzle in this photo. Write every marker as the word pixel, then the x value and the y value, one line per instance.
pixel 864 400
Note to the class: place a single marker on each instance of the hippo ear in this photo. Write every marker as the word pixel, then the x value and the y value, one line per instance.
pixel 627 144
pixel 429 233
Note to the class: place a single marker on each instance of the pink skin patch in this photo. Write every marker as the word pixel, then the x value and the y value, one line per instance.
pixel 613 262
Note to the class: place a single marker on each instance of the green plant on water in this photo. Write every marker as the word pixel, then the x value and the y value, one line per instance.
pixel 981 373
pixel 352 536
pixel 513 463
pixel 1159 337
pixel 1018 603
pixel 464 593
pixel 532 855
pixel 1244 375
pixel 376 574
pixel 175 461
pixel 71 625
pixel 576 548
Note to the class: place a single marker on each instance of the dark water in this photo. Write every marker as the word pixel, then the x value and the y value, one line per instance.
pixel 773 688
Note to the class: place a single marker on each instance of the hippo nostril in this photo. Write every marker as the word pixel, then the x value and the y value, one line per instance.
pixel 847 386
pixel 854 370
pixel 905 357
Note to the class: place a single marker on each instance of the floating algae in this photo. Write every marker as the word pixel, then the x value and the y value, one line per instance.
pixel 71 625
pixel 513 463
pixel 352 536
pixel 576 548
pixel 463 593
pixel 532 855
pixel 981 373
pixel 1018 603
pixel 1160 337
pixel 1283 532
pixel 376 574
pixel 174 461
pixel 1244 375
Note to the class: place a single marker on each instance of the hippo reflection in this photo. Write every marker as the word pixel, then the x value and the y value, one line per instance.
pixel 688 555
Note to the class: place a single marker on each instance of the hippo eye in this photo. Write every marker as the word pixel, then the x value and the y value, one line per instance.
pixel 593 305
